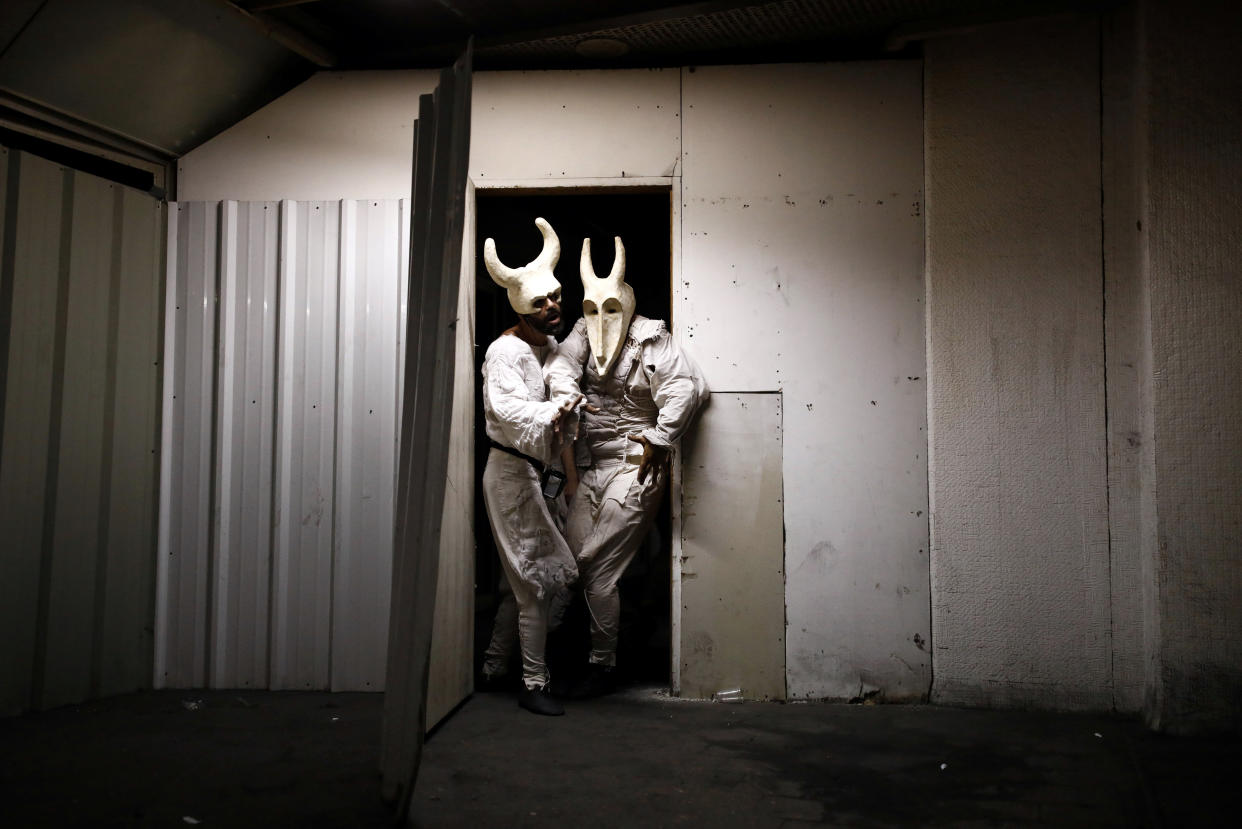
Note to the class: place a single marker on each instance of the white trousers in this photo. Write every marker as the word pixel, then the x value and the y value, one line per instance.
pixel 608 520
pixel 533 553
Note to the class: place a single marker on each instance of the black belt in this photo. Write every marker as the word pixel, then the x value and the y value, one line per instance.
pixel 515 453
pixel 551 481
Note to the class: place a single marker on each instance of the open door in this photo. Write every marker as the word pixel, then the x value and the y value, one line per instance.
pixel 451 675
pixel 433 325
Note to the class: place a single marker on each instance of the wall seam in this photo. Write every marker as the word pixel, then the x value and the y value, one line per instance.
pixel 104 526
pixel 1108 488
pixel 8 259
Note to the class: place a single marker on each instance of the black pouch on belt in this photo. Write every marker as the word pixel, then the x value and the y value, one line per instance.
pixel 551 481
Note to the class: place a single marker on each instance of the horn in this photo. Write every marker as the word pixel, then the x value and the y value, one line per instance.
pixel 501 273
pixel 548 257
pixel 551 253
pixel 618 262
pixel 587 267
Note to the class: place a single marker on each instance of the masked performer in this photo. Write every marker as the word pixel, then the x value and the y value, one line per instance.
pixel 642 393
pixel 525 430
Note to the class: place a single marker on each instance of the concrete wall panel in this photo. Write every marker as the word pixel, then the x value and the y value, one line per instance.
pixel 1020 558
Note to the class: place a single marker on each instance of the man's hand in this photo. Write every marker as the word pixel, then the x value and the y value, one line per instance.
pixel 655 459
pixel 565 408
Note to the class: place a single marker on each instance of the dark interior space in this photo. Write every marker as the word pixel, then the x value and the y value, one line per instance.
pixel 641 217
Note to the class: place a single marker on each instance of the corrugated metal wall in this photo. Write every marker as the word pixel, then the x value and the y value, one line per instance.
pixel 80 281
pixel 280 434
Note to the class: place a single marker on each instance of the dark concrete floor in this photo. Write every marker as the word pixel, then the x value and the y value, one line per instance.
pixel 243 759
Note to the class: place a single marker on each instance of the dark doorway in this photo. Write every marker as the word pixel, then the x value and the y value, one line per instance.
pixel 642 218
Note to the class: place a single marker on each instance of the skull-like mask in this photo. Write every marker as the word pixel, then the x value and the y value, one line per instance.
pixel 528 283
pixel 608 306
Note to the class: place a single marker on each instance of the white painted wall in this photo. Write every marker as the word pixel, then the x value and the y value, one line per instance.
pixel 798 242
pixel 1020 557
pixel 802 271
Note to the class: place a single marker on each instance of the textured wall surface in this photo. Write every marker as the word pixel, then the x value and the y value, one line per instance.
pixel 1020 558
pixel 79 355
pixel 802 270
pixel 1193 261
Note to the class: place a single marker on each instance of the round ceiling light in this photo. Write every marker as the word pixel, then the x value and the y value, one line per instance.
pixel 601 47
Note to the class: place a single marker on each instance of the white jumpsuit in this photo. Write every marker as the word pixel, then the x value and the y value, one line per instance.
pixel 654 389
pixel 533 553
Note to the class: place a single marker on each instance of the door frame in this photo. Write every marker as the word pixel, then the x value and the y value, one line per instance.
pixel 595 185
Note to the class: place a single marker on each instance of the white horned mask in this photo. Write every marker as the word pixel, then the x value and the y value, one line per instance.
pixel 608 307
pixel 530 282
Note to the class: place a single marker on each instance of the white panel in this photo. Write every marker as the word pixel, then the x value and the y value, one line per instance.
pixel 186 477
pixel 370 297
pixel 27 405
pixel 802 271
pixel 733 551
pixel 74 550
pixel 305 444
pixel 339 135
pixel 451 676
pixel 595 124
pixel 244 440
pixel 1020 561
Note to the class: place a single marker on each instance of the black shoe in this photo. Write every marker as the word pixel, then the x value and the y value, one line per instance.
pixel 539 701
pixel 600 680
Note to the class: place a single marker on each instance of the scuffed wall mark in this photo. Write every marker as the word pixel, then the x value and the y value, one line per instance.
pixel 868 694
pixel 701 644
pixel 775 275
pixel 919 641
pixel 315 514
pixel 790 201
pixel 820 560
pixel 914 669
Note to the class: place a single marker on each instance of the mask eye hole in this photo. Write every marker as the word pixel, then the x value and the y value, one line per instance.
pixel 590 309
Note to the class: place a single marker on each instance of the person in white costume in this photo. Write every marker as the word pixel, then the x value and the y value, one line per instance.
pixel 525 430
pixel 642 393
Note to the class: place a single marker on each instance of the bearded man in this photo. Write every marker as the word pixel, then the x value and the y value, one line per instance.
pixel 525 430
pixel 642 393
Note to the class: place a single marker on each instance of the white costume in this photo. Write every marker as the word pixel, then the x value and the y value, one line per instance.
pixel 518 415
pixel 648 386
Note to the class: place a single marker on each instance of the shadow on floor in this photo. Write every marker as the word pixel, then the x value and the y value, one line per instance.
pixel 271 759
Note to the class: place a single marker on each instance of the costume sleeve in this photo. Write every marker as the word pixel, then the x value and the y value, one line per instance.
pixel 677 386
pixel 564 370
pixel 525 423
